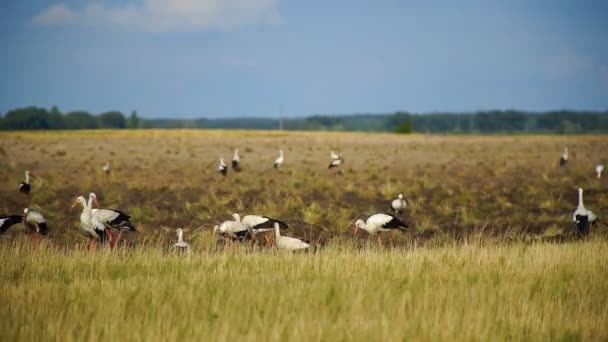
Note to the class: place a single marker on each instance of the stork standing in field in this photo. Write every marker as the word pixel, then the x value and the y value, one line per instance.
pixel 112 218
pixel 279 161
pixel 564 159
pixel 223 168
pixel 399 204
pixel 599 169
pixel 336 162
pixel 25 186
pixel 181 245
pixel 288 243
pixel 261 224
pixel 236 161
pixel 234 229
pixel 106 168
pixel 6 221
pixel 90 227
pixel 583 216
pixel 34 222
pixel 380 223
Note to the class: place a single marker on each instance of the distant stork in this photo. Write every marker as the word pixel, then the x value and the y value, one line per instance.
pixel 336 161
pixel 583 216
pixel 106 168
pixel 599 169
pixel 181 245
pixel 564 159
pixel 223 168
pixel 399 204
pixel 25 186
pixel 288 243
pixel 236 161
pixel 261 224
pixel 235 229
pixel 6 221
pixel 279 161
pixel 380 223
pixel 34 222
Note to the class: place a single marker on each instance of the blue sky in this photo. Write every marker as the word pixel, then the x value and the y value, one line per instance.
pixel 227 58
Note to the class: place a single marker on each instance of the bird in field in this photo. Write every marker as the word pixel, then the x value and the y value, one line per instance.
pixel 399 204
pixel 114 219
pixel 288 243
pixel 234 229
pixel 599 169
pixel 261 224
pixel 106 168
pixel 582 216
pixel 564 159
pixel 380 223
pixel 223 168
pixel 336 161
pixel 34 222
pixel 90 227
pixel 6 221
pixel 25 186
pixel 279 161
pixel 181 245
pixel 236 161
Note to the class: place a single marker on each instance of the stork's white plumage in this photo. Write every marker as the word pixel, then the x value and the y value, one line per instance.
pixel 335 163
pixel 260 224
pixel 111 217
pixel 223 168
pixel 279 161
pixel 235 229
pixel 34 221
pixel 181 244
pixel 6 221
pixel 564 159
pixel 380 223
pixel 236 161
pixel 288 243
pixel 583 216
pixel 398 205
pixel 106 168
pixel 25 186
pixel 334 155
pixel 599 169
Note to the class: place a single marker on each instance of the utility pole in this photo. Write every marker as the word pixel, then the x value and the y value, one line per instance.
pixel 281 117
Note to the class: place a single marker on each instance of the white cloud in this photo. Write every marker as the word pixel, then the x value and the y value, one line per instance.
pixel 167 15
pixel 567 64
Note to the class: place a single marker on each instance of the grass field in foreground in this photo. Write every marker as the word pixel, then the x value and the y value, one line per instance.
pixel 476 291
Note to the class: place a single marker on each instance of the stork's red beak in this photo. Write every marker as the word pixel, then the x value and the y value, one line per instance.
pixel 356 230
pixel 73 205
pixel 95 201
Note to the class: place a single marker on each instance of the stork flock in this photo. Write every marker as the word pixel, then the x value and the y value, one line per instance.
pixel 106 226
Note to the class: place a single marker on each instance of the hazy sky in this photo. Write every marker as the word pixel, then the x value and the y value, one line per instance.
pixel 220 58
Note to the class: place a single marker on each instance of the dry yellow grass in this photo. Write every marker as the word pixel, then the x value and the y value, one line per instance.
pixel 473 266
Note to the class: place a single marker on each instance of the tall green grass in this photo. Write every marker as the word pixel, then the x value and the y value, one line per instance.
pixel 474 291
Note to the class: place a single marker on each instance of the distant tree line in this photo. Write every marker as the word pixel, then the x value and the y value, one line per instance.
pixel 485 122
pixel 36 118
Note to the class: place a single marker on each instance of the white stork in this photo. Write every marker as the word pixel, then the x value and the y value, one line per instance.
pixel 583 216
pixel 235 229
pixel 288 243
pixel 336 161
pixel 223 168
pixel 399 204
pixel 181 245
pixel 279 161
pixel 564 159
pixel 106 168
pixel 90 227
pixel 261 224
pixel 380 223
pixel 236 161
pixel 6 221
pixel 25 186
pixel 34 222
pixel 599 169
pixel 112 218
